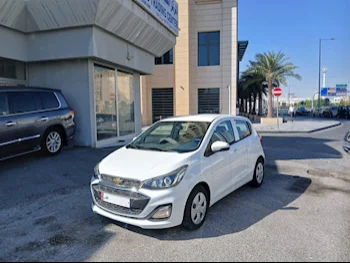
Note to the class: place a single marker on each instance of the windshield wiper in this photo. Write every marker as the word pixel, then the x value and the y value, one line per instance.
pixel 154 149
pixel 132 146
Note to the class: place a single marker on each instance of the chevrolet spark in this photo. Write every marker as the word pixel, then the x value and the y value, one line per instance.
pixel 176 170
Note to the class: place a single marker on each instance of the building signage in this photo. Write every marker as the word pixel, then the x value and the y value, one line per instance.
pixel 165 11
pixel 338 91
pixel 342 90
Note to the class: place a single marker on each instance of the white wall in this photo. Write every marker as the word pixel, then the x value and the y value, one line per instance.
pixel 215 16
pixel 72 77
pixel 115 50
pixel 62 44
pixel 13 44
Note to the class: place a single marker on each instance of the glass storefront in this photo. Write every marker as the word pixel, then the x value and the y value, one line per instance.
pixel 126 103
pixel 114 99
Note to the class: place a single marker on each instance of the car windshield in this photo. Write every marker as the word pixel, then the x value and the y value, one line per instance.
pixel 177 136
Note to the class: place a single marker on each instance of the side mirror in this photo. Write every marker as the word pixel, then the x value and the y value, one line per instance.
pixel 220 147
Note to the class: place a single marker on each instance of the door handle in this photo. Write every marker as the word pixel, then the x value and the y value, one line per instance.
pixel 10 124
pixel 44 119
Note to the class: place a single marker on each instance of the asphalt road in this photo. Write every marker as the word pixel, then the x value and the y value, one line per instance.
pixel 45 212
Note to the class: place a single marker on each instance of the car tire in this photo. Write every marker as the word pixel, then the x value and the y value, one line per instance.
pixel 259 174
pixel 196 209
pixel 52 142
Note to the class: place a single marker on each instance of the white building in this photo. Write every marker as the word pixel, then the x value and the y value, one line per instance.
pixel 94 51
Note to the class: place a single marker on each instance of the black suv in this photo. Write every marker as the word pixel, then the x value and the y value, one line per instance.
pixel 34 119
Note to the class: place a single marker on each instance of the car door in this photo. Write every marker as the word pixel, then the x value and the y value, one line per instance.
pixel 244 133
pixel 25 111
pixel 220 162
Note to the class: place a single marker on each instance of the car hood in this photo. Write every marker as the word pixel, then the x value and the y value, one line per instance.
pixel 142 165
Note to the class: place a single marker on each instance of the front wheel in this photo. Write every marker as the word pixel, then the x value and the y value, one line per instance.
pixel 52 142
pixel 259 174
pixel 196 209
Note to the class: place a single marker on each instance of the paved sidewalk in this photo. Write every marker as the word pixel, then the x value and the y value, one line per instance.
pixel 298 126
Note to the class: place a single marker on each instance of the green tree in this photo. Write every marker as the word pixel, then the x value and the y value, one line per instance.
pixel 252 86
pixel 273 67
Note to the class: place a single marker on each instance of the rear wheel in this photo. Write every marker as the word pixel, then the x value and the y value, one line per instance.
pixel 52 142
pixel 259 174
pixel 196 209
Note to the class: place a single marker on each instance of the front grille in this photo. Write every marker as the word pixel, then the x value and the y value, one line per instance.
pixel 138 201
pixel 118 209
pixel 121 182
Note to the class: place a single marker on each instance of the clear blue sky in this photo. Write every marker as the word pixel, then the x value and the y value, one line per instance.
pixel 295 27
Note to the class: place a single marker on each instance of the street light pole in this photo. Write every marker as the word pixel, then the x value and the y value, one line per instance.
pixel 319 77
pixel 319 71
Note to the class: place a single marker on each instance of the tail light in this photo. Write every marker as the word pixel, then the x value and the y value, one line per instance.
pixel 73 114
pixel 261 138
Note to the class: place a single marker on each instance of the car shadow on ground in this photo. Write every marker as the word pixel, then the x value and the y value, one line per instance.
pixel 240 210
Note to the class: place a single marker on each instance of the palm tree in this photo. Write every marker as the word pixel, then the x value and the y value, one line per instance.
pixel 253 87
pixel 272 68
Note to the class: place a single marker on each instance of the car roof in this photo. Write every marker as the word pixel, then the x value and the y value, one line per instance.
pixel 203 118
pixel 12 88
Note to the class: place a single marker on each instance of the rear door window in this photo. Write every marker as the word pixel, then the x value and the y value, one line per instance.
pixel 244 129
pixel 4 109
pixel 23 102
pixel 48 100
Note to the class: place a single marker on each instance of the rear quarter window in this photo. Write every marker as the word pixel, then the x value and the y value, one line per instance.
pixel 62 99
pixel 244 129
pixel 48 100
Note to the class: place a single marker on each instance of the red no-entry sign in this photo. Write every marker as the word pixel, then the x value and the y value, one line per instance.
pixel 277 92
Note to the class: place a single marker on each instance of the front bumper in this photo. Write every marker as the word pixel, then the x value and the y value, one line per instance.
pixel 142 208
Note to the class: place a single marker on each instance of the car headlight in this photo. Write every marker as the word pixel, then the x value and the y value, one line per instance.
pixel 166 181
pixel 97 171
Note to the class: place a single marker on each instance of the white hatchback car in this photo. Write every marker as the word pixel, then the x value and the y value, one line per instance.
pixel 175 170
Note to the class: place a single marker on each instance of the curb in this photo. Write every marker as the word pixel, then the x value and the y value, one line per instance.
pixel 284 169
pixel 323 173
pixel 300 132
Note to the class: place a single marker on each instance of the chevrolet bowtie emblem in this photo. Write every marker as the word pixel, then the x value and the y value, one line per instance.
pixel 118 181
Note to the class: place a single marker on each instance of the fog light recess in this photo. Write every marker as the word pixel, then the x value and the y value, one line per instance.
pixel 162 213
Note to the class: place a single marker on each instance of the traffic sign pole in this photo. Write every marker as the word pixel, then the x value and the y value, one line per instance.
pixel 277 93
pixel 278 121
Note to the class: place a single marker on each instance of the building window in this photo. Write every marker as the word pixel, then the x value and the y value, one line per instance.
pixel 166 59
pixel 12 69
pixel 209 101
pixel 209 49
